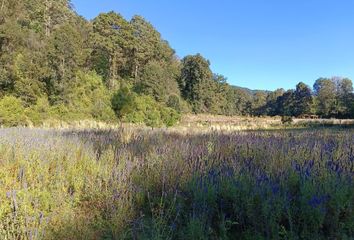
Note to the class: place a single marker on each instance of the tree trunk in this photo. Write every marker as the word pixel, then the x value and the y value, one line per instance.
pixel 63 68
pixel 47 17
pixel 136 71
pixel 112 71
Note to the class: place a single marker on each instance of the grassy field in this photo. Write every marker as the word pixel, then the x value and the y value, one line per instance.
pixel 179 183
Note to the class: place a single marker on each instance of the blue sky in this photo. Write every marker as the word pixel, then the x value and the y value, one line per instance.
pixel 259 44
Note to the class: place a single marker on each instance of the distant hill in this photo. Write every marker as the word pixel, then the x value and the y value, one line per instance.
pixel 251 91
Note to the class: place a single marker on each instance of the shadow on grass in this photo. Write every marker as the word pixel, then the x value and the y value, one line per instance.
pixel 220 185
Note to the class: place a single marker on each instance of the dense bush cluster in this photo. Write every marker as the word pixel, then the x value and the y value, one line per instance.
pixel 59 65
pixel 144 184
pixel 133 108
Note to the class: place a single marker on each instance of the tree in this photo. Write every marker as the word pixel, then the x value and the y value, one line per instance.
pixel 145 44
pixel 303 100
pixel 87 97
pixel 325 91
pixel 220 94
pixel 47 15
pixel 123 101
pixel 131 107
pixel 27 86
pixel 39 112
pixel 286 103
pixel 148 46
pixel 67 52
pixel 157 81
pixel 112 40
pixel 351 106
pixel 12 112
pixel 175 102
pixel 40 16
pixel 345 94
pixel 272 107
pixel 259 103
pixel 195 82
pixel 169 116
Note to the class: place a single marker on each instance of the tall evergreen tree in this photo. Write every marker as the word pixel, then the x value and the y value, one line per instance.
pixel 303 100
pixel 148 46
pixel 286 103
pixel 112 41
pixel 195 82
pixel 345 100
pixel 156 80
pixel 325 91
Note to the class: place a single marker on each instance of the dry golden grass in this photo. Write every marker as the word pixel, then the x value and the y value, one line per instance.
pixel 191 123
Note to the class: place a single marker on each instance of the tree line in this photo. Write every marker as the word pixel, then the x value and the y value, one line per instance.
pixel 54 64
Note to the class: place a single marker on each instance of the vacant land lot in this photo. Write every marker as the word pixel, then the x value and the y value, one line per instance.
pixel 131 183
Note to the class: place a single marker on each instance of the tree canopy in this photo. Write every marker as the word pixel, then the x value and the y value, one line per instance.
pixel 56 64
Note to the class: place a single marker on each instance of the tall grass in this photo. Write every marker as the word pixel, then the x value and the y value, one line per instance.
pixel 159 184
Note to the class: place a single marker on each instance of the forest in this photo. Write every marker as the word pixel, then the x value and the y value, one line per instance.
pixel 54 64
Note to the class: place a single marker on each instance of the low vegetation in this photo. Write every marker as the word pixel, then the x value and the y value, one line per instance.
pixel 162 184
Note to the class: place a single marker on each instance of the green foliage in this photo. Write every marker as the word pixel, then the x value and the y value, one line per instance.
pixel 67 52
pixel 334 97
pixel 273 106
pixel 26 86
pixel 123 101
pixel 49 53
pixel 286 104
pixel 286 120
pixel 258 103
pixel 325 91
pixel 303 100
pixel 87 95
pixel 242 101
pixel 131 107
pixel 197 83
pixel 12 112
pixel 147 46
pixel 345 98
pixel 169 116
pixel 153 118
pixel 157 81
pixel 39 112
pixel 112 40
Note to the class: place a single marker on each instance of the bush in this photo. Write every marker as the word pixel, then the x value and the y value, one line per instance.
pixel 123 102
pixel 286 120
pixel 169 116
pixel 12 112
pixel 153 118
pixel 39 112
pixel 142 109
pixel 174 102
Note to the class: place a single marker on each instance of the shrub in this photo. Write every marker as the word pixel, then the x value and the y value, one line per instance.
pixel 123 101
pixel 142 109
pixel 153 118
pixel 39 112
pixel 12 112
pixel 286 120
pixel 169 116
pixel 88 98
pixel 174 102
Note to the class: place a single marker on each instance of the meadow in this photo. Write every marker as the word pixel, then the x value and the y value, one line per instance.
pixel 140 183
